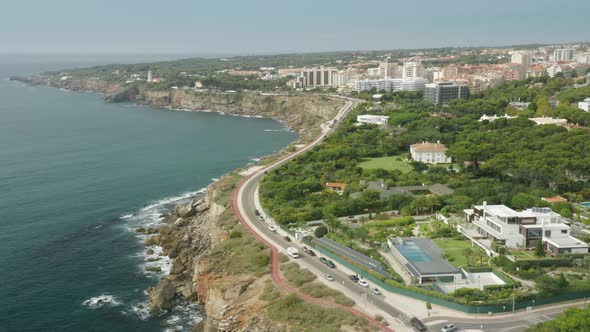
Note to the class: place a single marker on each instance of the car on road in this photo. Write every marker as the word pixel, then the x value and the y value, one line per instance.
pixel 329 277
pixel 354 278
pixel 308 251
pixel 261 218
pixel 293 252
pixel 257 212
pixel 327 262
pixel 449 328
pixel 417 324
pixel 375 291
pixel 286 238
pixel 363 282
pixel 272 228
pixel 311 253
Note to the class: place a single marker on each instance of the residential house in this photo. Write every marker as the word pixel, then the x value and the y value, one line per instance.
pixel 524 229
pixel 430 153
pixel 336 186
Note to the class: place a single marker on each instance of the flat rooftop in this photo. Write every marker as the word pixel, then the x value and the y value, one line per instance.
pixel 566 242
pixel 498 210
pixel 424 256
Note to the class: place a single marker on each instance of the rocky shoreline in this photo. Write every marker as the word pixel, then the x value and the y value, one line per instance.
pixel 215 262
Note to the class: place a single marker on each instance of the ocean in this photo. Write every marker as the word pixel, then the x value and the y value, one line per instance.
pixel 78 175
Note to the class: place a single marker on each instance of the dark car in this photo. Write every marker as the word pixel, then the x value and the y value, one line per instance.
pixel 288 239
pixel 354 278
pixel 327 262
pixel 257 212
pixel 417 324
pixel 311 252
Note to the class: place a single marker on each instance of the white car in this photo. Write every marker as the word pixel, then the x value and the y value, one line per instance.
pixel 363 283
pixel 272 228
pixel 328 277
pixel 449 328
pixel 375 291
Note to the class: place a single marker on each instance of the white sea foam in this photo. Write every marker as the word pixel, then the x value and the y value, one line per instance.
pixel 101 300
pixel 173 199
pixel 127 216
pixel 214 179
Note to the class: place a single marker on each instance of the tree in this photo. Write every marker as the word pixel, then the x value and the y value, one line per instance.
pixel 543 107
pixel 540 249
pixel 566 213
pixel 468 253
pixel 523 201
pixel 320 231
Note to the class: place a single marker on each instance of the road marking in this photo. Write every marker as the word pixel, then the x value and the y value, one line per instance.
pixel 434 322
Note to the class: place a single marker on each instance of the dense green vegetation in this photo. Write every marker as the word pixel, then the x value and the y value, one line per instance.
pixel 510 162
pixel 573 320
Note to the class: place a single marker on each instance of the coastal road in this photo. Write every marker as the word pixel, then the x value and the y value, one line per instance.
pixel 244 205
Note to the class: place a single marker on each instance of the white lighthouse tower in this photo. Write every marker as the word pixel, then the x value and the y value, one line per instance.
pixel 149 76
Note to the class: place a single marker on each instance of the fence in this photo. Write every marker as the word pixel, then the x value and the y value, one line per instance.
pixel 504 306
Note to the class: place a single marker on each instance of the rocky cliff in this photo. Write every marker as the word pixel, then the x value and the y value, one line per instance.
pixel 213 264
pixel 300 112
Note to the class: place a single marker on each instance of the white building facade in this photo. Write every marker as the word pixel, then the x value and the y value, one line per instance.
pixel 372 119
pixel 429 153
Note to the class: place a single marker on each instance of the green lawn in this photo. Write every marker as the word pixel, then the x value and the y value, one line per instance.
pixel 454 249
pixel 521 254
pixel 387 163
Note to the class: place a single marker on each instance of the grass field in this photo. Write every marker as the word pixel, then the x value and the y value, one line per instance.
pixel 522 254
pixel 387 163
pixel 454 249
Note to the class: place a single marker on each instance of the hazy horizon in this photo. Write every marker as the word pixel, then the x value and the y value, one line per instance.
pixel 200 29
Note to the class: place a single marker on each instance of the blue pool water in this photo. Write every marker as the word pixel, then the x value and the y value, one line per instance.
pixel 412 252
pixel 585 204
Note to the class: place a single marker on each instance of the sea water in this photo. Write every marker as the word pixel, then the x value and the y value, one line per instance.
pixel 77 175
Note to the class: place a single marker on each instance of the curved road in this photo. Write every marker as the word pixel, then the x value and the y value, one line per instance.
pixel 244 207
pixel 245 203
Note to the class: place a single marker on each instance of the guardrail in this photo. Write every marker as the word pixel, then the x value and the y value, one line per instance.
pixel 507 305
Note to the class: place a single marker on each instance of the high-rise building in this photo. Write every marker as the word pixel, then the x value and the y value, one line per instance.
pixel 524 62
pixel 443 93
pixel 563 54
pixel 412 69
pixel 149 76
pixel 317 77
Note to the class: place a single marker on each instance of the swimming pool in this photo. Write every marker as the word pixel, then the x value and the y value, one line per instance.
pixel 585 204
pixel 412 252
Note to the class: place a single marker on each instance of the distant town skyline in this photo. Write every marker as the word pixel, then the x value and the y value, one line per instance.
pixel 187 27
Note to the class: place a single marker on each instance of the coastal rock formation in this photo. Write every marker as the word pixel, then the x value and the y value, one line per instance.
pixel 299 111
pixel 161 296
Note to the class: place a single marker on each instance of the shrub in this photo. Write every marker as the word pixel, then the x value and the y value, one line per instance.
pixel 235 234
pixel 320 231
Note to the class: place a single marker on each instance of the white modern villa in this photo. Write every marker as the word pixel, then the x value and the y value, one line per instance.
pixel 524 229
pixel 372 119
pixel 430 153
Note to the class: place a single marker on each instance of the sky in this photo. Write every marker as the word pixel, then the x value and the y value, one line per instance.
pixel 230 27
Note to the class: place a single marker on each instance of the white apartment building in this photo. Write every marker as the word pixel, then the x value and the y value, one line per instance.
pixel 429 153
pixel 391 84
pixel 564 69
pixel 563 54
pixel 412 69
pixel 523 60
pixel 524 229
pixel 372 119
pixel 316 77
pixel 584 105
